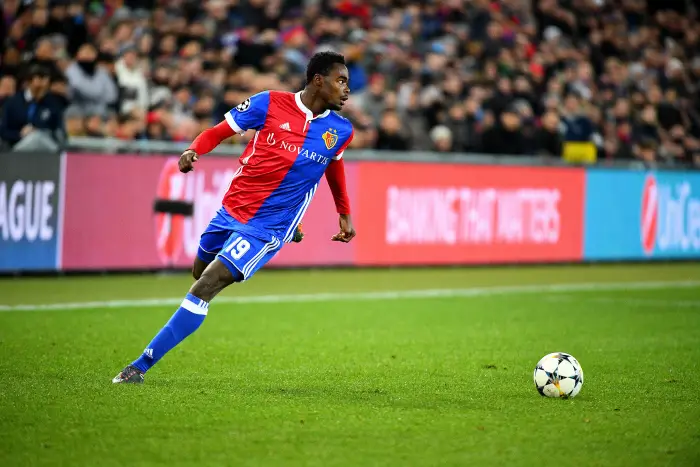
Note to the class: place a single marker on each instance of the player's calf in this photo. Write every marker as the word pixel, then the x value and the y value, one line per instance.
pixel 185 321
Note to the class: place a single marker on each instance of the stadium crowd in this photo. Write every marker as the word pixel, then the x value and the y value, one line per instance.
pixel 499 76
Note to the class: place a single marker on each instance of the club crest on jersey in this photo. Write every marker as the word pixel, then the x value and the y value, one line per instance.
pixel 330 137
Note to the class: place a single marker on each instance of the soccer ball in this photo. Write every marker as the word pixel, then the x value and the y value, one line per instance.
pixel 558 375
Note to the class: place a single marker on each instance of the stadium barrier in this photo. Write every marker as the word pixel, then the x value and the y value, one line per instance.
pixel 78 211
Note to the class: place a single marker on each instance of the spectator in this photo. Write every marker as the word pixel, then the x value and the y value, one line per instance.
pixel 373 100
pixel 625 149
pixel 673 149
pixel 456 122
pixel 44 54
pixel 548 140
pixel 132 82
pixel 68 17
pixel 91 87
pixel 505 137
pixel 106 62
pixel 155 130
pixel 415 124
pixel 648 128
pixel 646 151
pixel 578 126
pixel 667 108
pixel 32 119
pixel 442 138
pixel 390 136
pixel 501 98
pixel 474 115
pixel 8 88
pixel 527 125
pixel 38 22
pixel 74 122
pixel 692 151
pixel 11 60
pixel 95 125
pixel 600 66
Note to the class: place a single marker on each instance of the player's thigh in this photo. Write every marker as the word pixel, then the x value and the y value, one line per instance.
pixel 250 271
pixel 244 253
pixel 211 241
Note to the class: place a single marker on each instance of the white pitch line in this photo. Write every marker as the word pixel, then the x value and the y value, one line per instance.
pixel 645 302
pixel 387 295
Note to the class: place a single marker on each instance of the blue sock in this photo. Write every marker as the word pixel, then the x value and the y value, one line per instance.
pixel 184 322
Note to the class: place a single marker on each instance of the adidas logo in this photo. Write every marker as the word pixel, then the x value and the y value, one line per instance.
pixel 285 126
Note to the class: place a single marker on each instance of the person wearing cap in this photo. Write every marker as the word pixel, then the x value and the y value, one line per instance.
pixel 32 119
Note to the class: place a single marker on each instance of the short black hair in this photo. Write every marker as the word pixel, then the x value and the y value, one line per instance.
pixel 38 70
pixel 322 64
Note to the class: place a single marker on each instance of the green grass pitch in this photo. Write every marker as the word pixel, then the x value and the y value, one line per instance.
pixel 354 379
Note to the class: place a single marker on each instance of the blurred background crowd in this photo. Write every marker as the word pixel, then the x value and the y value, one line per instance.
pixel 487 76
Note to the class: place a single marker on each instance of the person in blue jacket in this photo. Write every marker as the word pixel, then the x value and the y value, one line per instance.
pixel 32 119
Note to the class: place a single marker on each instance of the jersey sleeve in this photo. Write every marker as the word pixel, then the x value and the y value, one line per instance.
pixel 339 154
pixel 249 114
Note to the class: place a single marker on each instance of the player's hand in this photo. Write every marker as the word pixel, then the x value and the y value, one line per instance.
pixel 298 234
pixel 347 231
pixel 187 160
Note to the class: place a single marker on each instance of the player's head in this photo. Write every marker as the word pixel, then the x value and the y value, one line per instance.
pixel 327 75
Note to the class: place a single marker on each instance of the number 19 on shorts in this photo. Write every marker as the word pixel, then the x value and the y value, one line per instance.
pixel 237 248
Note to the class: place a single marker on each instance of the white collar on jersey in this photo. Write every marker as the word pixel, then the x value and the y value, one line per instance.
pixel 309 113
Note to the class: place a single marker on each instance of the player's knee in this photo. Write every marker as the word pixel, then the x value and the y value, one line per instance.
pixel 206 287
pixel 212 281
pixel 198 268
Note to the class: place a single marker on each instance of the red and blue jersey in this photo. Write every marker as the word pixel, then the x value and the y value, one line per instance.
pixel 284 162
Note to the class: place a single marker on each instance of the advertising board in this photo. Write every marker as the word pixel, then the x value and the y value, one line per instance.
pixel 642 215
pixel 110 222
pixel 30 211
pixel 96 212
pixel 465 214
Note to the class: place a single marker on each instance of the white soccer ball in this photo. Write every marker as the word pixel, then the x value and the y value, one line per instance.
pixel 558 375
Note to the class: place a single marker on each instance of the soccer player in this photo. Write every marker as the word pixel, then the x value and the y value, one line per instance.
pixel 298 139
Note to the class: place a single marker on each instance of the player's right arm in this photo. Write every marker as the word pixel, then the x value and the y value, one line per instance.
pixel 249 114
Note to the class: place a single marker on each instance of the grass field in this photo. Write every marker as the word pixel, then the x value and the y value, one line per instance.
pixel 387 367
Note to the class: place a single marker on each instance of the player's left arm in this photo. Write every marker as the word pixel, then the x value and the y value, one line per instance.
pixel 335 175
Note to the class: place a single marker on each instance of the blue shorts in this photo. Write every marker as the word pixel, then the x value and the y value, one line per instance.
pixel 242 248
